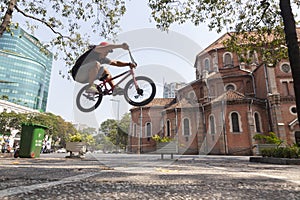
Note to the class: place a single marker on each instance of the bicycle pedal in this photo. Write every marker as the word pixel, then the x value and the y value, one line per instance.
pixel 89 97
pixel 137 96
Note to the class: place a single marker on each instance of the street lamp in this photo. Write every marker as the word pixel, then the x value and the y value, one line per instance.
pixel 118 120
pixel 118 111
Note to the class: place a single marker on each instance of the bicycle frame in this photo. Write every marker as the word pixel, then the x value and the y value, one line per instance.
pixel 126 74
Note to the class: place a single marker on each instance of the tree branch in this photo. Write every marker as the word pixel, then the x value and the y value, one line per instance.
pixel 43 22
pixel 266 5
pixel 7 16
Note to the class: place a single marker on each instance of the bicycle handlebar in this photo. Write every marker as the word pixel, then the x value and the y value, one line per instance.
pixel 131 58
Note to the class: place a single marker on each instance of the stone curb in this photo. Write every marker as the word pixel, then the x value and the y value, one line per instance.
pixel 279 161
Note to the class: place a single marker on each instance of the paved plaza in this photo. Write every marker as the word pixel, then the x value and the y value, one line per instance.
pixel 127 176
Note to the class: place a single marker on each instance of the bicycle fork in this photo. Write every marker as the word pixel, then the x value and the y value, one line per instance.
pixel 130 72
pixel 138 90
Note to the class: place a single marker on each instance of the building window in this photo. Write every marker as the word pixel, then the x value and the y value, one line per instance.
pixel 285 88
pixel 285 67
pixel 212 91
pixel 293 110
pixel 172 94
pixel 206 64
pixel 148 130
pixel 257 122
pixel 198 72
pixel 297 137
pixel 134 130
pixel 227 60
pixel 201 92
pixel 249 88
pixel 291 88
pixel 168 128
pixel 235 124
pixel 229 87
pixel 252 57
pixel 186 127
pixel 212 127
pixel 191 95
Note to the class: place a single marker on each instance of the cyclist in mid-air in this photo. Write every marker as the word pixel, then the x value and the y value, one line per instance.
pixel 88 67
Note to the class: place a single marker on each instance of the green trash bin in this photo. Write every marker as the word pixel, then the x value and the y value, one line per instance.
pixel 31 142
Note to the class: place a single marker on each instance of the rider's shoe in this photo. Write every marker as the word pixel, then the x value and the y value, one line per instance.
pixel 92 89
pixel 118 91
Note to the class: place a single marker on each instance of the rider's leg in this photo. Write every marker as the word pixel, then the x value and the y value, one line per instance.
pixel 116 89
pixel 111 83
pixel 93 73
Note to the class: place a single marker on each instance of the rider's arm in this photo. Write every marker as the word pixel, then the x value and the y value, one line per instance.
pixel 100 48
pixel 121 64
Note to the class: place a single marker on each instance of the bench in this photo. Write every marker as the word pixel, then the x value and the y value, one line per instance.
pixel 79 147
pixel 167 148
pixel 260 147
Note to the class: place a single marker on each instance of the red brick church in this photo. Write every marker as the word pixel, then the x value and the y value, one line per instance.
pixel 221 111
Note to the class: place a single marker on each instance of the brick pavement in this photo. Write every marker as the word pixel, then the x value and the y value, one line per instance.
pixel 117 176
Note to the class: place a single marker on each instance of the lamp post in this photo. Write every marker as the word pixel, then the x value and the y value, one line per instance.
pixel 118 120
pixel 118 111
pixel 140 143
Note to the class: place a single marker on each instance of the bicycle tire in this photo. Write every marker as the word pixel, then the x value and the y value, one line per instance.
pixel 93 101
pixel 144 83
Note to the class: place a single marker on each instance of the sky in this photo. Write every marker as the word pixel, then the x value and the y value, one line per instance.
pixel 164 57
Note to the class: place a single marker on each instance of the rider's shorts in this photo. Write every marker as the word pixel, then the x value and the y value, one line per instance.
pixel 82 75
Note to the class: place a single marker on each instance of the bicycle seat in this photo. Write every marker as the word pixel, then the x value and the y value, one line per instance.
pixel 103 77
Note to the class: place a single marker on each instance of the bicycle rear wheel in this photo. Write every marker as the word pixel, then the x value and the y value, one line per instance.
pixel 87 102
pixel 144 95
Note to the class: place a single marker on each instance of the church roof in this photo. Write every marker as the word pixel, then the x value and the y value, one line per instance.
pixel 183 103
pixel 230 95
pixel 157 102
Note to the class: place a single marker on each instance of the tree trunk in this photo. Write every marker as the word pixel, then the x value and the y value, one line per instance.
pixel 8 15
pixel 293 48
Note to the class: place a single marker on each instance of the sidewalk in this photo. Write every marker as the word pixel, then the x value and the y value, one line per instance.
pixel 124 176
pixel 6 155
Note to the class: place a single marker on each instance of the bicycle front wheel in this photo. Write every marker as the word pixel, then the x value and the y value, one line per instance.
pixel 87 102
pixel 141 96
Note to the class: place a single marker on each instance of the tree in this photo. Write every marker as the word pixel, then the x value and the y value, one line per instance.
pixel 11 121
pixel 123 129
pixel 4 97
pixel 65 20
pixel 117 132
pixel 108 125
pixel 109 128
pixel 265 17
pixel 293 48
pixel 103 143
pixel 90 130
pixel 57 127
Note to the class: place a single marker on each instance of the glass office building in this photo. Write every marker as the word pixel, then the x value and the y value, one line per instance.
pixel 25 69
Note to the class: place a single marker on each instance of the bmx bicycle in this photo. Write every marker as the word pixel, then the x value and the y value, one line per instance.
pixel 138 91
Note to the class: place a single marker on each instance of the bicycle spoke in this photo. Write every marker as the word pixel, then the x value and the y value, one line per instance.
pixel 141 96
pixel 87 102
pixel 147 90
